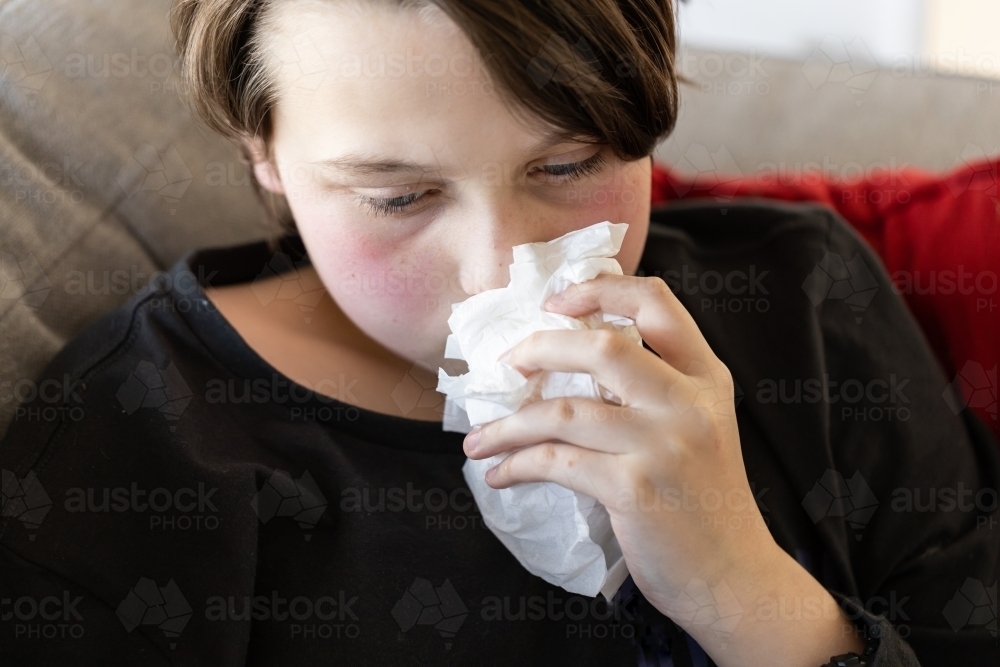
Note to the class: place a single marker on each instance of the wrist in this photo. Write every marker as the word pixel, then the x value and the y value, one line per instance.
pixel 765 610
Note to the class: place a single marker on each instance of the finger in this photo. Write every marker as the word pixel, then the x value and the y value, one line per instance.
pixel 569 466
pixel 629 371
pixel 663 321
pixel 579 421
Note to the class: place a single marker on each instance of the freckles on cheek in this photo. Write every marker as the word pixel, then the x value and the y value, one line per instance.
pixel 621 204
pixel 614 204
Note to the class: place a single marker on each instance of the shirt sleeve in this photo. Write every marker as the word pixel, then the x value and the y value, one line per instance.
pixel 912 523
pixel 46 619
pixel 889 648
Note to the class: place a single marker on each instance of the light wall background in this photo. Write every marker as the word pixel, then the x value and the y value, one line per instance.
pixel 947 36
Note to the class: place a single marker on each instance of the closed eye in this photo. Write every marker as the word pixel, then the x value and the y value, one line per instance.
pixel 575 170
pixel 554 174
pixel 392 205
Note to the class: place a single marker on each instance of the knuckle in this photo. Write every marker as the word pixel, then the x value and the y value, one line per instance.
pixel 705 424
pixel 699 425
pixel 491 432
pixel 635 474
pixel 725 375
pixel 548 453
pixel 609 344
pixel 658 284
pixel 659 287
pixel 723 378
pixel 565 412
pixel 504 469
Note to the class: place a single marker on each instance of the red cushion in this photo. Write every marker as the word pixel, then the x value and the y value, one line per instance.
pixel 937 234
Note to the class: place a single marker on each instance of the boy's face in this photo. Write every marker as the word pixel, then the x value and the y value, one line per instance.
pixel 359 83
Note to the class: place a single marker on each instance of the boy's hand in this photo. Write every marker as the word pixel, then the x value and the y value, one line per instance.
pixel 667 463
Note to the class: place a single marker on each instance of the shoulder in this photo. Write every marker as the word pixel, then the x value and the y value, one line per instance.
pixel 790 296
pixel 102 478
pixel 89 369
pixel 764 273
pixel 752 225
pixel 835 378
pixel 768 263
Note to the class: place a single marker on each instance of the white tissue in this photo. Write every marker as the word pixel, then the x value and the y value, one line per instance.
pixel 562 536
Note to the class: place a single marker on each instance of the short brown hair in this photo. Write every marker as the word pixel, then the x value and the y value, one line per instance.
pixel 601 70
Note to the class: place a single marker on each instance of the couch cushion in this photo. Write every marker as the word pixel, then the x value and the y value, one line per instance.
pixel 747 113
pixel 104 175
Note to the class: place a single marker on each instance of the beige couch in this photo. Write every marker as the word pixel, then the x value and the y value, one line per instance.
pixel 105 178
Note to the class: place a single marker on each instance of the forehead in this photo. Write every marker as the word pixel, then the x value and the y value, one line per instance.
pixel 376 71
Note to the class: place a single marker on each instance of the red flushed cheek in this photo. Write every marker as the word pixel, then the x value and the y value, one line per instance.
pixel 615 204
pixel 624 204
pixel 402 287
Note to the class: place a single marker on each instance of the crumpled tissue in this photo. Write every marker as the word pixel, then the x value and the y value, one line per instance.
pixel 562 536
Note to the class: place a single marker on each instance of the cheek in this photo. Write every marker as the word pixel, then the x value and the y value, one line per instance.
pixel 374 281
pixel 380 278
pixel 614 203
pixel 627 200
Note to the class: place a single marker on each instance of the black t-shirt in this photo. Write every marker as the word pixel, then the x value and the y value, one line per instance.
pixel 171 498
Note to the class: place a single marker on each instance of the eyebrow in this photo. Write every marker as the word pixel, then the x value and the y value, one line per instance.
pixel 362 164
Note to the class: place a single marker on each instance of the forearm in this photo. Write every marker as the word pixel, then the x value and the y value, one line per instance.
pixel 768 611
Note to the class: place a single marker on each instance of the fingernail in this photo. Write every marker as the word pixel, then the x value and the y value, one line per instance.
pixel 506 355
pixel 472 439
pixel 491 473
pixel 553 301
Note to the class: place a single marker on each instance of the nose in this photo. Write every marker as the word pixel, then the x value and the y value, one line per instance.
pixel 488 237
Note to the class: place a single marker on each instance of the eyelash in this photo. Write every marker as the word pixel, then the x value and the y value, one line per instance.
pixel 576 170
pixel 379 207
pixel 568 172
